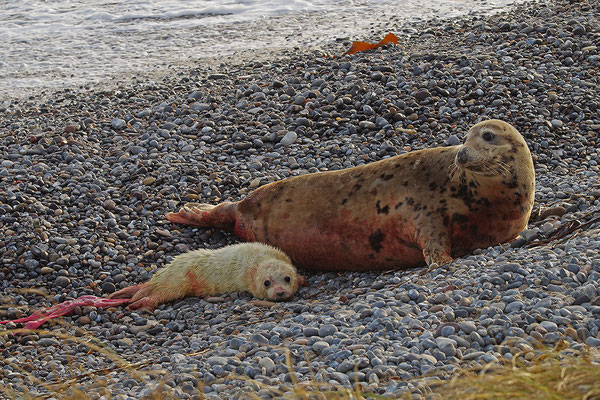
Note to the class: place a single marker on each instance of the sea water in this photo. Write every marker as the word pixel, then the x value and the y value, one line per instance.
pixel 57 44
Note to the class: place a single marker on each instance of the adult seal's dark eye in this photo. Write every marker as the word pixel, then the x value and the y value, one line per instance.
pixel 488 136
pixel 267 283
pixel 287 279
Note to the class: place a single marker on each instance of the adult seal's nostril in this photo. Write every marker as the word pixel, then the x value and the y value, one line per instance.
pixel 461 156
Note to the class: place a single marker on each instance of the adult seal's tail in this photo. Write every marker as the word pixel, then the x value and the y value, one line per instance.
pixel 426 206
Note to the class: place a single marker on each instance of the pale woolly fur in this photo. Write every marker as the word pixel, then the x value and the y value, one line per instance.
pixel 232 268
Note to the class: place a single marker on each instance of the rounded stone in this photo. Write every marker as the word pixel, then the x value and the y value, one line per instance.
pixel 549 326
pixel 422 94
pixel 62 281
pixel 118 123
pixel 108 287
pixel 327 330
pixel 320 346
pixel 289 138
pixel 310 331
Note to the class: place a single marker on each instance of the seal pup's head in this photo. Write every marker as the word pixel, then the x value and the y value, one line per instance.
pixel 493 148
pixel 274 279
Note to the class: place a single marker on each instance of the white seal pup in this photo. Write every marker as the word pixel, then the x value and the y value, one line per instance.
pixel 262 270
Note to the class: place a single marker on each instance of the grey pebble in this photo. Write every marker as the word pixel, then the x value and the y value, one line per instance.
pixel 320 346
pixel 367 125
pixel 327 330
pixel 592 341
pixel 467 326
pixel 299 100
pixel 62 281
pixel 46 342
pixel 217 76
pixel 289 138
pixel 549 326
pixel 118 123
pixel 447 346
pixel 108 287
pixel 453 140
pixel 217 360
pixel 310 331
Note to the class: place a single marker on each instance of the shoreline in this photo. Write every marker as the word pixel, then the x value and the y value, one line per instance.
pixel 238 49
pixel 89 176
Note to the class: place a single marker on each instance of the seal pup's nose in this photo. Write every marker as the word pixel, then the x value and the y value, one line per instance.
pixel 280 294
pixel 462 156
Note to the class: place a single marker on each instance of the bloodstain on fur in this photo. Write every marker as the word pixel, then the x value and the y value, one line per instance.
pixel 197 286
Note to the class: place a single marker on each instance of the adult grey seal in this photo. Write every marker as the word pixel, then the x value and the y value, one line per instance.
pixel 422 207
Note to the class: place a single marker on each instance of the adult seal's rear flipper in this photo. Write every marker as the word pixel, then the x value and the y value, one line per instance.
pixel 221 216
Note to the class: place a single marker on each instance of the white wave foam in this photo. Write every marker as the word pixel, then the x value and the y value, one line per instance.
pixel 72 42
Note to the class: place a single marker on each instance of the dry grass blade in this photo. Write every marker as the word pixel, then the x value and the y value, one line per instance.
pixel 551 377
pixel 72 387
pixel 566 229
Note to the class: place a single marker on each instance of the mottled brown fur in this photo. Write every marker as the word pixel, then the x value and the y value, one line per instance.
pixel 426 206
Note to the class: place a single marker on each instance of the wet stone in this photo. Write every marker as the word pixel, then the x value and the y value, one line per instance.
pixel 62 281
pixel 118 123
pixel 108 287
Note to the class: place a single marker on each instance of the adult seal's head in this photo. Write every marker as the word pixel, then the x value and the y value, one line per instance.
pixel 495 149
pixel 494 177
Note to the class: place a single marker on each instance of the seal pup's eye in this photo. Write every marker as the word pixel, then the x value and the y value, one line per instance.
pixel 267 283
pixel 488 136
pixel 287 279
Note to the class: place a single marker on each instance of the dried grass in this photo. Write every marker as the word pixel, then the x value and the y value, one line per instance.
pixel 553 374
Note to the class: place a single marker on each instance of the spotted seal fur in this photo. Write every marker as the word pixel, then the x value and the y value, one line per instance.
pixel 422 207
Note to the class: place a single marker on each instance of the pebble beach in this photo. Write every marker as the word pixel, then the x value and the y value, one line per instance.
pixel 86 177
